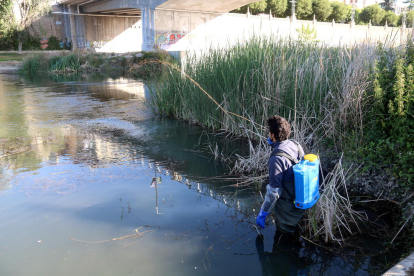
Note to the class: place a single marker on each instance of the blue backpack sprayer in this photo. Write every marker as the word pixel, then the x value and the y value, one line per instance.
pixel 306 172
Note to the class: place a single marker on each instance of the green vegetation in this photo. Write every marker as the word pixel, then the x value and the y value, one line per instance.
pixel 303 9
pixel 411 4
pixel 322 9
pixel 145 64
pixel 53 43
pixel 307 34
pixel 393 133
pixel 391 19
pixel 278 7
pixel 388 5
pixel 409 18
pixel 267 76
pixel 325 10
pixel 254 8
pixel 373 13
pixel 10 56
pixel 5 8
pixel 340 11
pixel 30 11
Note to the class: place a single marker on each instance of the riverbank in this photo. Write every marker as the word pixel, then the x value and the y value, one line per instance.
pixel 141 64
pixel 12 61
pixel 403 268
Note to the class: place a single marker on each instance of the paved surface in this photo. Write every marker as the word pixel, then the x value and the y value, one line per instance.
pixel 9 70
pixel 401 269
pixel 9 67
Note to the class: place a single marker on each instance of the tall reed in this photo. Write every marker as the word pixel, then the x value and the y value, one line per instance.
pixel 320 89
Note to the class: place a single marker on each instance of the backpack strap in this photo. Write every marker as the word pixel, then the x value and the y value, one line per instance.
pixel 292 159
pixel 282 153
pixel 300 150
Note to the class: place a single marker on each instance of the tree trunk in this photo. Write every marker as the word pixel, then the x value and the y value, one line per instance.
pixel 19 38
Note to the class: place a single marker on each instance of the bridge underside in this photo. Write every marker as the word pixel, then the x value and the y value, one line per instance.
pixel 123 18
pixel 126 6
pixel 218 6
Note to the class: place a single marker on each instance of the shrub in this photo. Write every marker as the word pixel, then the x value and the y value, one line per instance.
pixel 391 18
pixel 303 9
pixel 35 63
pixel 54 43
pixel 307 34
pixel 278 7
pixel 254 8
pixel 408 19
pixel 340 11
pixel 392 136
pixel 374 13
pixel 322 9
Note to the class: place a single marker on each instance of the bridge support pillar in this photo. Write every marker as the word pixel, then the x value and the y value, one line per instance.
pixel 148 28
pixel 73 38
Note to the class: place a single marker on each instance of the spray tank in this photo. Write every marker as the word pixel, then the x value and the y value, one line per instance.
pixel 306 181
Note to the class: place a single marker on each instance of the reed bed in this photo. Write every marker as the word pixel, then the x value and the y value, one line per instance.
pixel 321 89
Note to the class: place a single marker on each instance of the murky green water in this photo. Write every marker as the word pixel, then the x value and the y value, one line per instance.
pixel 93 184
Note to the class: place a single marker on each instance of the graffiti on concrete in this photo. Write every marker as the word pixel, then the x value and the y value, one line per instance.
pixel 44 43
pixel 168 38
pixel 99 44
pixel 81 43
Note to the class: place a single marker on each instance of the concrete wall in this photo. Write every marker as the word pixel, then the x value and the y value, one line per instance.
pixel 49 25
pixel 172 26
pixel 113 34
pixel 182 31
pixel 93 33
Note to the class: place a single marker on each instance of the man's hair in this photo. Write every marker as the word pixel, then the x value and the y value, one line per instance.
pixel 279 127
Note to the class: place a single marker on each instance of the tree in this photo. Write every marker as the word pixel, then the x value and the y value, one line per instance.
pixel 409 17
pixel 304 9
pixel 5 10
pixel 391 18
pixel 340 11
pixel 373 13
pixel 322 9
pixel 27 12
pixel 410 4
pixel 388 5
pixel 254 8
pixel 358 20
pixel 278 7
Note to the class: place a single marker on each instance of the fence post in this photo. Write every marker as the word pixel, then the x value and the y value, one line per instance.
pixel 352 28
pixel 402 33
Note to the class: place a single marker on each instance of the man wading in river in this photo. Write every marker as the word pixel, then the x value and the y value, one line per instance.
pixel 280 192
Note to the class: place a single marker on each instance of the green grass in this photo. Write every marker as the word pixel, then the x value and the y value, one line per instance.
pixel 11 57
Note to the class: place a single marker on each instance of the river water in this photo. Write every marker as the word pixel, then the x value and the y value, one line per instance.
pixel 93 183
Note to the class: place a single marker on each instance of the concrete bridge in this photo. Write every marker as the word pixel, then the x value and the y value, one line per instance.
pixel 191 25
pixel 134 25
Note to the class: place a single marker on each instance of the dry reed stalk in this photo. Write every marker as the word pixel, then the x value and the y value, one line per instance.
pixel 134 235
pixel 332 216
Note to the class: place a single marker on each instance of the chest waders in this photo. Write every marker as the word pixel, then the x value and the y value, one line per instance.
pixel 287 215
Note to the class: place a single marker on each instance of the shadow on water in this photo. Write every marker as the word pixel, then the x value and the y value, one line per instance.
pixel 87 151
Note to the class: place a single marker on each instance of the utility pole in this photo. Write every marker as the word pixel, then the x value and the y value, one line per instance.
pixel 293 9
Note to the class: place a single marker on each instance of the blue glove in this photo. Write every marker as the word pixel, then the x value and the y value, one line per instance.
pixel 261 218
